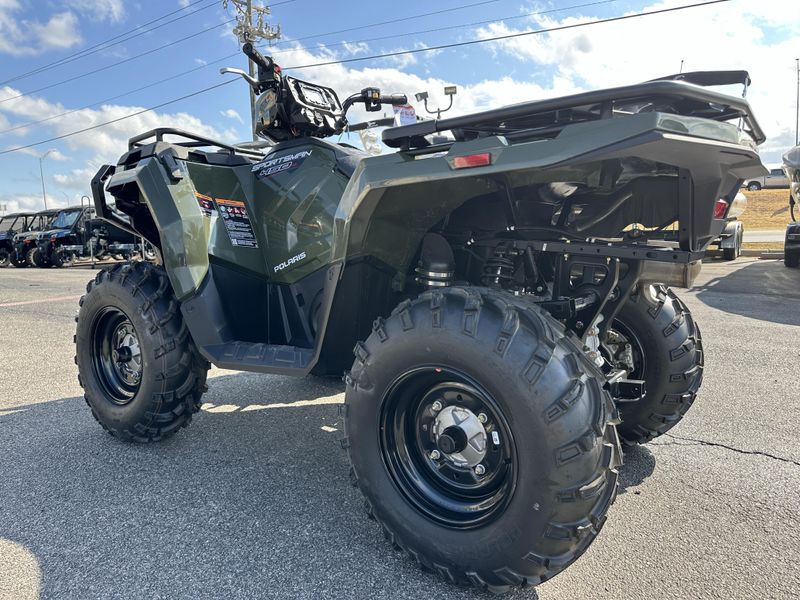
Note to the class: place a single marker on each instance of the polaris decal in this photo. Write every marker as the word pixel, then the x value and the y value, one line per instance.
pixel 273 166
pixel 290 261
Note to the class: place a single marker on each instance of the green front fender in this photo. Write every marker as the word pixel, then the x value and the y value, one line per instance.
pixel 183 230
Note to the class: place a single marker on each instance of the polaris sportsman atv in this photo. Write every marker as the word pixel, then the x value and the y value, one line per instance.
pixel 504 293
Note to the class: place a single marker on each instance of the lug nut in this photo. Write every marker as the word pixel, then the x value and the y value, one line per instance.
pixel 483 418
pixel 480 469
pixel 436 406
pixel 435 455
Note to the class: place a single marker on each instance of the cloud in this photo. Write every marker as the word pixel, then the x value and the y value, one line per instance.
pixel 184 3
pixel 108 141
pixel 20 37
pixel 201 62
pixel 112 11
pixel 757 36
pixel 232 114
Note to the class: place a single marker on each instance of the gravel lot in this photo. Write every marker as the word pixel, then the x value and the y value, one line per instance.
pixel 254 501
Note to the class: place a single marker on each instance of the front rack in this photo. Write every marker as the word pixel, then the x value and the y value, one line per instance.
pixel 546 118
pixel 194 141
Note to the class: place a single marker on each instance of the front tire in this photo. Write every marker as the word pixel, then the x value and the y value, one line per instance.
pixel 548 475
pixel 753 187
pixel 667 353
pixel 5 258
pixel 791 259
pixel 141 373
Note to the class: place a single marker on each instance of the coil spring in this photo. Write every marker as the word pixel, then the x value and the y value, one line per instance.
pixel 499 268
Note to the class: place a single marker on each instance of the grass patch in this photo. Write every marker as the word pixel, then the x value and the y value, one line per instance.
pixel 766 209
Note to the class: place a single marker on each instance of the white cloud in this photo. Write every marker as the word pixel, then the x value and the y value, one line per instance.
pixel 108 141
pixel 184 3
pixel 20 37
pixel 232 114
pixel 716 37
pixel 101 10
pixel 201 62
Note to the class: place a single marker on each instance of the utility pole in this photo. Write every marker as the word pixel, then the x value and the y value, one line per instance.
pixel 797 106
pixel 248 31
pixel 41 174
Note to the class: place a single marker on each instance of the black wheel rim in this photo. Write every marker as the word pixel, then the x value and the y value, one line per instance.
pixel 613 352
pixel 460 488
pixel 116 355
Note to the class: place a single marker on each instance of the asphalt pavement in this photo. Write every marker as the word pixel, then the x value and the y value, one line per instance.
pixel 253 500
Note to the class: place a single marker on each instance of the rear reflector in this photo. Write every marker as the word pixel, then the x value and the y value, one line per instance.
pixel 472 160
pixel 720 209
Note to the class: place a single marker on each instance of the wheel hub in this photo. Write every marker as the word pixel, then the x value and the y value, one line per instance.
pixel 460 436
pixel 116 355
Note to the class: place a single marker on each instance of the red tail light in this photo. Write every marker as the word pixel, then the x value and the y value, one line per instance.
pixel 720 209
pixel 472 160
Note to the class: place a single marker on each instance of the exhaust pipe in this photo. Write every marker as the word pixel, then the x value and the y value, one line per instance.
pixel 672 274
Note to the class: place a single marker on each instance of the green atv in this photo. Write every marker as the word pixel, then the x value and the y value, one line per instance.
pixel 503 291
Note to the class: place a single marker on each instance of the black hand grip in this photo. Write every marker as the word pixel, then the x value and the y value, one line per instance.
pixel 250 50
pixel 397 99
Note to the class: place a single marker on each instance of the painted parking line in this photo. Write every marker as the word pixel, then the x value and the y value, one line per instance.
pixel 40 301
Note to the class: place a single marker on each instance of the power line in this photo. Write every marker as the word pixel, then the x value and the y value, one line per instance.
pixel 508 36
pixel 97 47
pixel 235 54
pixel 119 62
pixel 118 119
pixel 449 27
pixel 399 53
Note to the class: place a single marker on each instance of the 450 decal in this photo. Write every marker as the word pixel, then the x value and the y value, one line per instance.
pixel 271 166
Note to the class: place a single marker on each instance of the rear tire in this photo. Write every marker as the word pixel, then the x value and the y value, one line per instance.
pixel 19 264
pixel 556 447
pixel 34 258
pixel 668 354
pixel 141 373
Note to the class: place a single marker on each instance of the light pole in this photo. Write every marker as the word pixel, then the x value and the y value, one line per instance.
pixel 41 174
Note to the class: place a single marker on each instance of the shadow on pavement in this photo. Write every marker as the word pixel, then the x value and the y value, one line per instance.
pixel 755 290
pixel 252 500
pixel 639 465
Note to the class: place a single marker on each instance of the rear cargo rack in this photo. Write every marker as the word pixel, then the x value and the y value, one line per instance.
pixel 682 94
pixel 193 141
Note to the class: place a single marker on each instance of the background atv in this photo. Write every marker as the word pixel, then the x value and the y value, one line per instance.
pixel 11 225
pixel 77 234
pixel 26 252
pixel 504 293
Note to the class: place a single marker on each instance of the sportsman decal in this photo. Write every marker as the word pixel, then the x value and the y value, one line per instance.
pixel 272 166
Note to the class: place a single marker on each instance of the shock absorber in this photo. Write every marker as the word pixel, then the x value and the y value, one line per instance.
pixel 499 268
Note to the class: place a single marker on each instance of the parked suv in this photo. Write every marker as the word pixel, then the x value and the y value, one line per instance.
pixel 791 247
pixel 775 179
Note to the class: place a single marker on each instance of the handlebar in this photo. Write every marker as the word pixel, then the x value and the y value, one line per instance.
pixel 394 99
pixel 261 61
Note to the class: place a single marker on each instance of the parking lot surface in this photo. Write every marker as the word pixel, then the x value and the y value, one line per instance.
pixel 253 500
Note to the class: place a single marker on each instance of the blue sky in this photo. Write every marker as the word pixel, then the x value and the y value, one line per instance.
pixel 759 36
